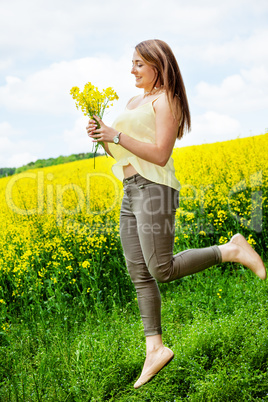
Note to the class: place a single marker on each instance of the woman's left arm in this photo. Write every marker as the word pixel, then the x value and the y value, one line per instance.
pixel 166 134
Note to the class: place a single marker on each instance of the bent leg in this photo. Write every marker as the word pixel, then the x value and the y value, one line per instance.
pixel 148 295
pixel 156 229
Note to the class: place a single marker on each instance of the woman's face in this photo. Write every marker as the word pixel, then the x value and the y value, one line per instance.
pixel 145 75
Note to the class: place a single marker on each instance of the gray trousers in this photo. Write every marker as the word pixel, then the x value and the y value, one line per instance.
pixel 147 226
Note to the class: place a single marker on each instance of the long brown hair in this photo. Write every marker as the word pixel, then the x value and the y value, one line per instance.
pixel 159 55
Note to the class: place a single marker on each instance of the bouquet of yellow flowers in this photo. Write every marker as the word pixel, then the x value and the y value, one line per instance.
pixel 93 102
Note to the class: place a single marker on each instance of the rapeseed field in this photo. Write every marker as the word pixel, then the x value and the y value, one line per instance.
pixel 60 224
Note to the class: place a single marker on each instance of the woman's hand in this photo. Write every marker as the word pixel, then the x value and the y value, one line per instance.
pixel 103 134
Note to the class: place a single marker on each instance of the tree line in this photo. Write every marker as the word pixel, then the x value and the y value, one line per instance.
pixel 40 163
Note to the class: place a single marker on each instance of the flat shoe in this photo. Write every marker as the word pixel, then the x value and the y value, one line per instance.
pixel 165 358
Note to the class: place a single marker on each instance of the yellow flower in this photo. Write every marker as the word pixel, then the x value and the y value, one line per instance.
pixel 223 240
pixel 93 102
pixel 5 326
pixel 86 264
pixel 190 216
pixel 218 294
pixel 251 241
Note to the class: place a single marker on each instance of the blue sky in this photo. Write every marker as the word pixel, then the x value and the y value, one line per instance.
pixel 49 46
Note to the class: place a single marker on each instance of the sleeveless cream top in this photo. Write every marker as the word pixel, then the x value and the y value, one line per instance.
pixel 139 123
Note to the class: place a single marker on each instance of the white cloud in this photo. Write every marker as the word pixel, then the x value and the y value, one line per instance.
pixel 6 130
pixel 34 24
pixel 211 127
pixel 5 64
pixel 48 90
pixel 56 28
pixel 244 92
pixel 246 50
pixel 249 50
pixel 4 143
pixel 12 155
pixel 76 139
pixel 14 151
pixel 20 159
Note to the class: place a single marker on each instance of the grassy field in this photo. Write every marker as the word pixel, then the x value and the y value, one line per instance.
pixel 69 324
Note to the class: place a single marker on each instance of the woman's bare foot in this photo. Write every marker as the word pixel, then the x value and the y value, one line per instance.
pixel 154 362
pixel 243 253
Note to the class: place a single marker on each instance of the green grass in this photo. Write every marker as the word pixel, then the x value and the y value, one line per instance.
pixel 75 354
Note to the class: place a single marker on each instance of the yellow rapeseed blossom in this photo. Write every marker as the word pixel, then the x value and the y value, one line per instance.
pixel 223 240
pixel 93 102
pixel 5 327
pixel 219 294
pixel 222 184
pixel 251 241
pixel 86 264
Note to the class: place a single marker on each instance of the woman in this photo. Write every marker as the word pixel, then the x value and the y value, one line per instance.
pixel 141 140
